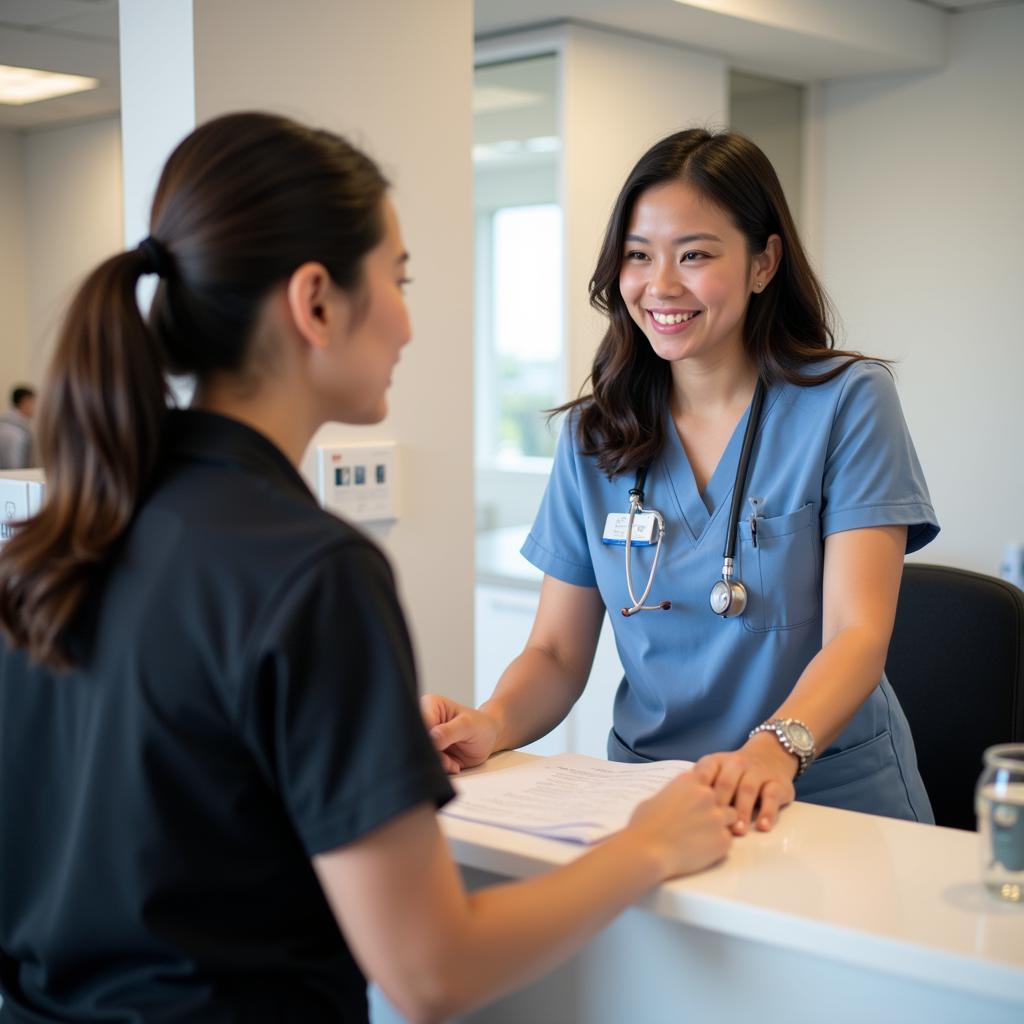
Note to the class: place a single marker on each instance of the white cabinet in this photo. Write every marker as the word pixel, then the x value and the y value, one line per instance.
pixel 591 718
pixel 504 616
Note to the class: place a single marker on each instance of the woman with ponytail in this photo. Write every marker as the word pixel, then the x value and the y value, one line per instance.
pixel 217 794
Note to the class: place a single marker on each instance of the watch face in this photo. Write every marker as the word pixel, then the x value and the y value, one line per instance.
pixel 800 736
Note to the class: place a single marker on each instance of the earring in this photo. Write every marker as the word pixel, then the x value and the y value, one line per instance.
pixel 759 285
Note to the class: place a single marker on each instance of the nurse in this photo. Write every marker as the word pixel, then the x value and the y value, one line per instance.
pixel 719 339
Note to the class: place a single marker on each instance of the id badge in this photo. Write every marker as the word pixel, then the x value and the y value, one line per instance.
pixel 644 525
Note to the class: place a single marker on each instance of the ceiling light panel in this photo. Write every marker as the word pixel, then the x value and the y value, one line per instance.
pixel 19 86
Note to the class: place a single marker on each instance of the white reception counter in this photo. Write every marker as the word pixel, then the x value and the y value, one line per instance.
pixel 834 915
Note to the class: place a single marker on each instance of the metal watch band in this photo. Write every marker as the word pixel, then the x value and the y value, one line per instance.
pixel 777 726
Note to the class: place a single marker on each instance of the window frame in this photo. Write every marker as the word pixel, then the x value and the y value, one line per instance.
pixel 518 47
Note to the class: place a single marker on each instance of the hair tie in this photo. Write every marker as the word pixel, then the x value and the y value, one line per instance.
pixel 158 259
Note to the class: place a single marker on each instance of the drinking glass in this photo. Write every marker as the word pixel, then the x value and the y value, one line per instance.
pixel 999 804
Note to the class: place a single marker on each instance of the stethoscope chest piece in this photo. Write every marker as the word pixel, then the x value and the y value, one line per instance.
pixel 728 598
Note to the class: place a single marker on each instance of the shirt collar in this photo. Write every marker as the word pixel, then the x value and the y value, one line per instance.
pixel 197 436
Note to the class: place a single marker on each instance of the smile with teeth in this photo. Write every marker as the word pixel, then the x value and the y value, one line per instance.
pixel 667 319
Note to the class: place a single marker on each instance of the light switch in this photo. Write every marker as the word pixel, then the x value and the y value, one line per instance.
pixel 358 481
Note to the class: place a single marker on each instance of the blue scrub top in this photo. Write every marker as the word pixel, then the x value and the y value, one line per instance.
pixel 831 457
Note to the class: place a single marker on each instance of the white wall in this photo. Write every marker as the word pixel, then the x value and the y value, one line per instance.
pixel 922 217
pixel 772 115
pixel 621 95
pixel 60 214
pixel 73 220
pixel 14 348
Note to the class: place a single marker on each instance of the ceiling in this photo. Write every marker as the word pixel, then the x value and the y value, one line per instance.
pixel 793 40
pixel 80 37
pixel 75 36
pixel 644 16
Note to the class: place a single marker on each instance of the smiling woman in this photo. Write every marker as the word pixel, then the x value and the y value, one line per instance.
pixel 788 492
pixel 687 273
pixel 690 186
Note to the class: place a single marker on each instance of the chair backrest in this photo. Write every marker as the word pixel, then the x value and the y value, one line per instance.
pixel 956 662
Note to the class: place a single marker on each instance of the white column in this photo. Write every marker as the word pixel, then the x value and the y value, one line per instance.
pixel 621 95
pixel 158 98
pixel 395 77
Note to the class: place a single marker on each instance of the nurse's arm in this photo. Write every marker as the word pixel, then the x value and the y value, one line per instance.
pixel 539 688
pixel 535 692
pixel 861 584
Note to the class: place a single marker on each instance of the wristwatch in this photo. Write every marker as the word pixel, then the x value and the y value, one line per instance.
pixel 794 736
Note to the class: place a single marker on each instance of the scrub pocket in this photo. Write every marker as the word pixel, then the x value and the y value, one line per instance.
pixel 866 777
pixel 782 573
pixel 619 750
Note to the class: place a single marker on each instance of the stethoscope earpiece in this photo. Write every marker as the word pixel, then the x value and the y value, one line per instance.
pixel 661 606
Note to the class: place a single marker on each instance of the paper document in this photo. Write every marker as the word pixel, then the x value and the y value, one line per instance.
pixel 571 796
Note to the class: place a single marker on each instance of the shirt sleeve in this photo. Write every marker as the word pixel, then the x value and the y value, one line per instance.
pixel 872 473
pixel 557 543
pixel 333 713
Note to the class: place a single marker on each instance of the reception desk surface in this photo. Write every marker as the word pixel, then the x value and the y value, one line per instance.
pixel 855 892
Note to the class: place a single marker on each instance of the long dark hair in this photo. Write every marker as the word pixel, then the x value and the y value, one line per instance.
pixel 242 202
pixel 788 326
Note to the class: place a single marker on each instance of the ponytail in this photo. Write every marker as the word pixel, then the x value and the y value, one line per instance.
pixel 241 203
pixel 99 435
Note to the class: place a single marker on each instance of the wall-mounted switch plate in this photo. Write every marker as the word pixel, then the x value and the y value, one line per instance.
pixel 358 481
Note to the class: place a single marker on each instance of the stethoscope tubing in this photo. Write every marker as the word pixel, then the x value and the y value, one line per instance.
pixel 636 498
pixel 740 483
pixel 640 605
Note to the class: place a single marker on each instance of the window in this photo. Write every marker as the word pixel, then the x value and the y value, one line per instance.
pixel 519 321
pixel 525 329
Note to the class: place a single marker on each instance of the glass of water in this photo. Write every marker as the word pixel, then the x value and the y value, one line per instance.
pixel 999 803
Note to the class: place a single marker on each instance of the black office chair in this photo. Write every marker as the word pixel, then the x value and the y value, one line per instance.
pixel 956 662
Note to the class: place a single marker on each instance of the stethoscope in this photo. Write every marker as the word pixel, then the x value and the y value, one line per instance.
pixel 728 595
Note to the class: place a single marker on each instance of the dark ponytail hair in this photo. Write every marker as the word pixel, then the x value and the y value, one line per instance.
pixel 242 202
pixel 788 326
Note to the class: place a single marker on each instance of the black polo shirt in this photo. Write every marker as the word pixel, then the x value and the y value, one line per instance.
pixel 245 698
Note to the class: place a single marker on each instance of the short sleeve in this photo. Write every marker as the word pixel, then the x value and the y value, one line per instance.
pixel 872 473
pixel 332 712
pixel 557 543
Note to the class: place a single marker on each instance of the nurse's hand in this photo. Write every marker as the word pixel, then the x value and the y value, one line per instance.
pixel 757 778
pixel 463 736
